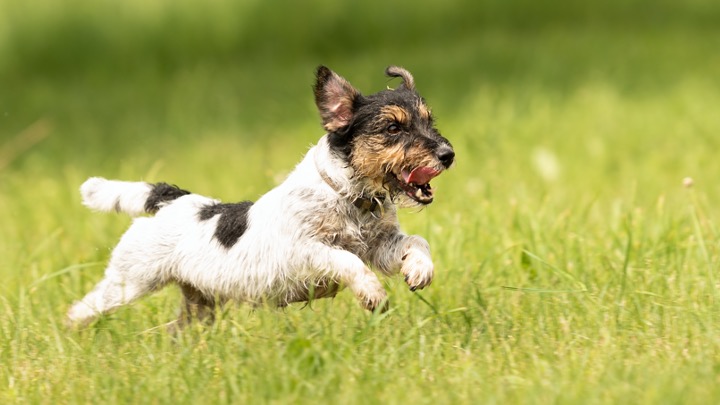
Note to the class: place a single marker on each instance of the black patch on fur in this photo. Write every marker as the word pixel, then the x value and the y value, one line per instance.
pixel 161 193
pixel 339 141
pixel 232 222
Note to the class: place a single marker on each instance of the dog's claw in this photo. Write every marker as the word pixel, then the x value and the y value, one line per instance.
pixel 378 308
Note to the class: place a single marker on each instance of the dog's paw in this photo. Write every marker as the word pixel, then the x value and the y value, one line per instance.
pixel 418 268
pixel 371 294
pixel 377 303
pixel 80 316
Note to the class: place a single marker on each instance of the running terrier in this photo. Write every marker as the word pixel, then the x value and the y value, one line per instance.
pixel 331 221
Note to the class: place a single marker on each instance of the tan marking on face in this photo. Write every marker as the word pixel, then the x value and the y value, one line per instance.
pixel 395 113
pixel 373 160
pixel 424 111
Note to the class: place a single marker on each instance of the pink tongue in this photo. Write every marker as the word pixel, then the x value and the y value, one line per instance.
pixel 420 175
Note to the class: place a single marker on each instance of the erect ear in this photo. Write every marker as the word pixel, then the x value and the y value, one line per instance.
pixel 397 71
pixel 334 98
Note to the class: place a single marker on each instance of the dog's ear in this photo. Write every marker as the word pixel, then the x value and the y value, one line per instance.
pixel 397 71
pixel 334 97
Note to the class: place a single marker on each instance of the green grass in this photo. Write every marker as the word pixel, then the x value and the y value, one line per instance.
pixel 572 264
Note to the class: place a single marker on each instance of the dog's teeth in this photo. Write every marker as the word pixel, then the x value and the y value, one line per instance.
pixel 419 193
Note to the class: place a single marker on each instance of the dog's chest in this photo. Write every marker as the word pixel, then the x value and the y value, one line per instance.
pixel 354 229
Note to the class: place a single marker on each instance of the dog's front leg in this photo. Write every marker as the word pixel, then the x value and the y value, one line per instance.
pixel 410 255
pixel 350 270
pixel 417 266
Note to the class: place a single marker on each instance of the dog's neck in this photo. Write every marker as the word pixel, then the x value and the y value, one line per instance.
pixel 343 184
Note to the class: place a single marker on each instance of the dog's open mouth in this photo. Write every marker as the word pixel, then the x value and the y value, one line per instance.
pixel 416 183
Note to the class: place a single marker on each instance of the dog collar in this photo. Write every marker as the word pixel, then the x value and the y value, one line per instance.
pixel 371 204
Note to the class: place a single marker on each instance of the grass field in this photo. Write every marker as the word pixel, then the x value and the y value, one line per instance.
pixel 573 265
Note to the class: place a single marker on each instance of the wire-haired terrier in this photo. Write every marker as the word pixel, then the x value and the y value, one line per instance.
pixel 325 227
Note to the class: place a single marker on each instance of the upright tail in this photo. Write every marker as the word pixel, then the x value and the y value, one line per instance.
pixel 132 198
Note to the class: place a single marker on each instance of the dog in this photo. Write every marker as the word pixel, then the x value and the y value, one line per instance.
pixel 325 228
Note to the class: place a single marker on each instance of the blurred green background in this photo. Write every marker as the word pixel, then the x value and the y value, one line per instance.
pixel 128 77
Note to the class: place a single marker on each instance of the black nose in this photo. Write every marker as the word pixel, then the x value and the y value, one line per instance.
pixel 446 155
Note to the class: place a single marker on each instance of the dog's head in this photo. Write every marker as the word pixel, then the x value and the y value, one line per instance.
pixel 388 137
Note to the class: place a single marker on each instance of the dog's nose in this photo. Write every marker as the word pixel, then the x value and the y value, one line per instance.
pixel 446 155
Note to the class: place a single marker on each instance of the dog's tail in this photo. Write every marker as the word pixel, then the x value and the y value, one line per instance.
pixel 132 198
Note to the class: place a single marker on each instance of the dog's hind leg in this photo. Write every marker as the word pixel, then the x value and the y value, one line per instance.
pixel 110 293
pixel 196 306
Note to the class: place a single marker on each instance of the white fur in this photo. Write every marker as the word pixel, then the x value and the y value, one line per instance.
pixel 300 234
pixel 112 195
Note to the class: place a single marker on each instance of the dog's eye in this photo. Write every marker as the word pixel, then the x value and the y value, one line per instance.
pixel 393 129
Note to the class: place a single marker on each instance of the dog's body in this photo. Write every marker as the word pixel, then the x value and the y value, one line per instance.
pixel 306 238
